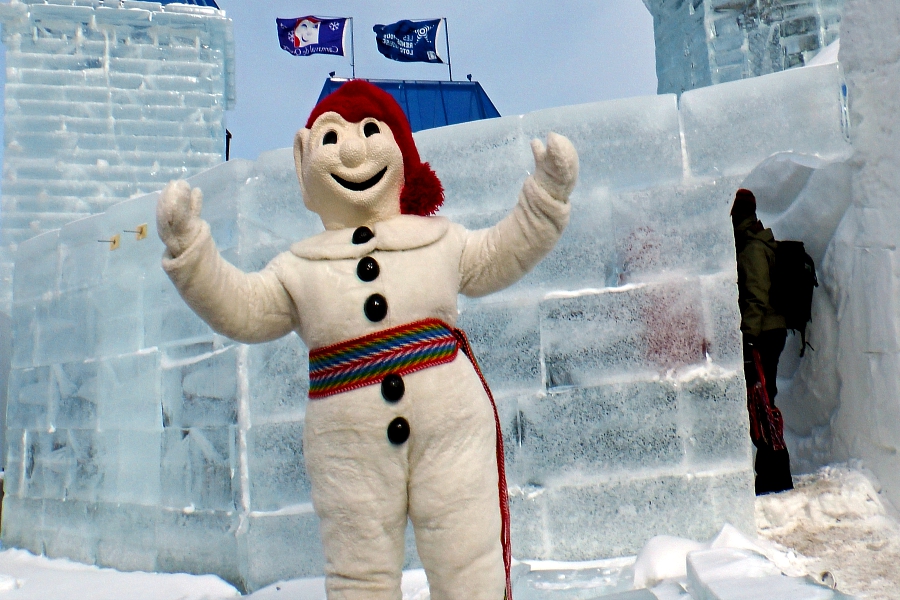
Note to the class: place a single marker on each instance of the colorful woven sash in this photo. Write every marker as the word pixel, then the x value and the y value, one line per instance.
pixel 366 360
pixel 412 347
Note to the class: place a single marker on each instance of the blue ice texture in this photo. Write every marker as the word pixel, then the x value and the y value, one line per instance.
pixel 707 42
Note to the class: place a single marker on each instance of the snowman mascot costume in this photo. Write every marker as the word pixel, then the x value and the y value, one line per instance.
pixel 400 422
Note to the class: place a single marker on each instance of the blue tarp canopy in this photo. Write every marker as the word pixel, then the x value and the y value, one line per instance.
pixel 194 2
pixel 430 104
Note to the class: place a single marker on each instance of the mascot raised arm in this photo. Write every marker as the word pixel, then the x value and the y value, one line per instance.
pixel 400 422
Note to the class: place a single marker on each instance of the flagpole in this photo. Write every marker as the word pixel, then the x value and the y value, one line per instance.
pixel 447 37
pixel 352 50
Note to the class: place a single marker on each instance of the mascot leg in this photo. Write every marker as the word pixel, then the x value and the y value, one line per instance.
pixel 359 492
pixel 453 496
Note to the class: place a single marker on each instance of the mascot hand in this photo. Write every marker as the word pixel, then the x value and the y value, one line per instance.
pixel 178 215
pixel 556 166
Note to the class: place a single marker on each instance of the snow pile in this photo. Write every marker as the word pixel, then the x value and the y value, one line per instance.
pixel 836 521
pixel 833 531
pixel 24 576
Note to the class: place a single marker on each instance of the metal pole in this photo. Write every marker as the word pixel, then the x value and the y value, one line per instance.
pixel 352 50
pixel 447 37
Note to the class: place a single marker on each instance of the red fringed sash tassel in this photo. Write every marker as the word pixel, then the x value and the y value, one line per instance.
pixel 501 465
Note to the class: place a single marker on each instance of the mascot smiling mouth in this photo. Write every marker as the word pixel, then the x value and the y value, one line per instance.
pixel 363 185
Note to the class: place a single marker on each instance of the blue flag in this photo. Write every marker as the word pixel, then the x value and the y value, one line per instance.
pixel 409 41
pixel 312 35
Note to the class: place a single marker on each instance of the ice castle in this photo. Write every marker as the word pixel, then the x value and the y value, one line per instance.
pixel 705 42
pixel 104 100
pixel 139 439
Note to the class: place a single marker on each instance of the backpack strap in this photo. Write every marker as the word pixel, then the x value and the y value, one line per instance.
pixel 804 343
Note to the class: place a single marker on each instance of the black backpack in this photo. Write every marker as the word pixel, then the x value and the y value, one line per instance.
pixel 793 281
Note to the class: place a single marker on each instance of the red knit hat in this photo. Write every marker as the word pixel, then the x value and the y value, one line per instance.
pixel 422 193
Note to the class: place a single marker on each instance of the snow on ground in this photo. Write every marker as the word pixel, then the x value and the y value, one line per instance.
pixel 834 521
pixel 24 576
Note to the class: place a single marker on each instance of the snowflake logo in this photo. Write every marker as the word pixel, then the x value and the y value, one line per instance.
pixel 334 26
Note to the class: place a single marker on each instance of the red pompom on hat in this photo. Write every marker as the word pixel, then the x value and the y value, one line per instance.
pixel 422 193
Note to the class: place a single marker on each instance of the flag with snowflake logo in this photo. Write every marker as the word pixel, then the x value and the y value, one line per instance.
pixel 312 35
pixel 409 41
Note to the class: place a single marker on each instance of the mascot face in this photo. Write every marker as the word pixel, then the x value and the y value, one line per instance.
pixel 350 174
pixel 306 33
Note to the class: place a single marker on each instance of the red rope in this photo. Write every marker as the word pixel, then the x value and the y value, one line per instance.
pixel 766 422
pixel 501 465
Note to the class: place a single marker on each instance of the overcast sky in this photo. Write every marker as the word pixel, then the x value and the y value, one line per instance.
pixel 528 55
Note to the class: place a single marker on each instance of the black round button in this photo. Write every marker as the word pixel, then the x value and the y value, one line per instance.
pixel 376 307
pixel 361 235
pixel 367 269
pixel 398 431
pixel 392 388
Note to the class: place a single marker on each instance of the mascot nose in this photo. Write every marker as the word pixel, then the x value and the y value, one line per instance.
pixel 353 152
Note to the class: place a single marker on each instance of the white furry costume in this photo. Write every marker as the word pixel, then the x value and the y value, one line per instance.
pixel 445 476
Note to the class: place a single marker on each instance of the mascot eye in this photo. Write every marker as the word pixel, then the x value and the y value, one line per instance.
pixel 371 129
pixel 330 138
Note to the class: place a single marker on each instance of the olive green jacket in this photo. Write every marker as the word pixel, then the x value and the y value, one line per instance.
pixel 755 260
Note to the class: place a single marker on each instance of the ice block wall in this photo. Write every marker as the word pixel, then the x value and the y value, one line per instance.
pixel 705 42
pixel 139 439
pixel 105 100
